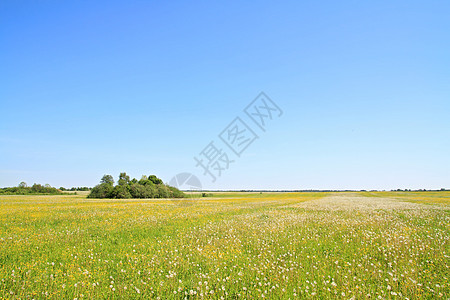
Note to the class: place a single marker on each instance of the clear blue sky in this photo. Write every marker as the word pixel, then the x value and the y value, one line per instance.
pixel 98 87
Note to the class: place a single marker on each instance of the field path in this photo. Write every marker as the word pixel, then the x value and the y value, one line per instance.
pixel 354 201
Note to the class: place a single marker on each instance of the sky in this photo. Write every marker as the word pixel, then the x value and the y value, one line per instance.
pixel 89 88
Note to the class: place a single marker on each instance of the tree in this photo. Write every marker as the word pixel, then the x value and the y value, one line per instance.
pixel 163 191
pixel 37 188
pixel 144 180
pixel 23 184
pixel 155 179
pixel 107 179
pixel 121 192
pixel 142 191
pixel 124 179
pixel 175 193
pixel 103 190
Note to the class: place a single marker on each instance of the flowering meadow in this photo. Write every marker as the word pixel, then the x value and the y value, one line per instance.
pixel 381 245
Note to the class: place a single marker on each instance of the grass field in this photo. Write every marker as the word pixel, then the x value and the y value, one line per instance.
pixel 385 245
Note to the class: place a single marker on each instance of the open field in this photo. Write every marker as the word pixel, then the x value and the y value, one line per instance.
pixel 384 245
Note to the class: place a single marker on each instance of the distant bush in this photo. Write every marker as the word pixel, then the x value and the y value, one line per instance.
pixel 35 189
pixel 147 187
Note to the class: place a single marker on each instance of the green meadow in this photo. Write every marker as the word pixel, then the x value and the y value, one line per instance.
pixel 382 245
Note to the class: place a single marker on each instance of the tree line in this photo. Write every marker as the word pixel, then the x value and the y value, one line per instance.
pixel 23 189
pixel 147 187
pixel 74 189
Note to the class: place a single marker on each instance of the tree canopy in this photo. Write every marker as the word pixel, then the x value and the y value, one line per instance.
pixel 147 187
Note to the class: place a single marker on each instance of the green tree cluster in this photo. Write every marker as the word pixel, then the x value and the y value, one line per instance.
pixel 147 187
